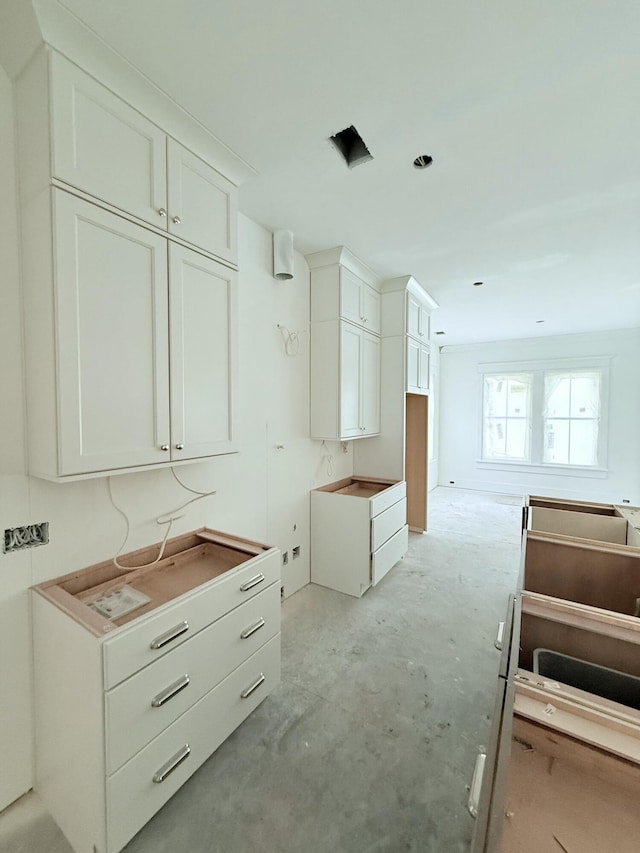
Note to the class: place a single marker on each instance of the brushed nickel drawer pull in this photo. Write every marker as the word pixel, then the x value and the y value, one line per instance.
pixel 249 690
pixel 168 768
pixel 168 636
pixel 252 629
pixel 254 581
pixel 500 636
pixel 170 691
pixel 476 784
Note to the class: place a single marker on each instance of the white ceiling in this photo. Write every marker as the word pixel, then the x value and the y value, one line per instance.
pixel 531 111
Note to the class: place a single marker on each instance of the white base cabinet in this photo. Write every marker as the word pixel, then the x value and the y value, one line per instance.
pixel 358 532
pixel 127 709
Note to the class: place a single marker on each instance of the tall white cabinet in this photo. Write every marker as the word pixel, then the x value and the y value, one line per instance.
pixel 345 347
pixel 130 283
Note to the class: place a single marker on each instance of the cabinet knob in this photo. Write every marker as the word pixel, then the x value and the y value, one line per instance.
pixel 177 220
pixel 179 446
pixel 164 447
pixel 162 211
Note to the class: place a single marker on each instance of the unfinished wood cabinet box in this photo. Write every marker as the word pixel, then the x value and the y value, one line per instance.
pixel 358 532
pixel 129 706
pixel 563 768
pixel 584 519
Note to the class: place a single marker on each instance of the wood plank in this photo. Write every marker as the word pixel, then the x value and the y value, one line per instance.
pixel 416 462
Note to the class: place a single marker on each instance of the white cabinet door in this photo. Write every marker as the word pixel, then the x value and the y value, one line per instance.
pixel 370 400
pixel 413 316
pixel 424 369
pixel 371 308
pixel 203 321
pixel 112 342
pixel 351 342
pixel 413 366
pixel 103 146
pixel 351 296
pixel 202 204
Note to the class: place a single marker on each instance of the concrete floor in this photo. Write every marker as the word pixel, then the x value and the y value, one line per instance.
pixel 369 742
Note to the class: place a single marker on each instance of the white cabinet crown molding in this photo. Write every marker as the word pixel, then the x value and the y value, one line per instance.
pixel 345 257
pixel 411 285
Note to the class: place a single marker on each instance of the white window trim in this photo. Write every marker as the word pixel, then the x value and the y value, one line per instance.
pixel 537 466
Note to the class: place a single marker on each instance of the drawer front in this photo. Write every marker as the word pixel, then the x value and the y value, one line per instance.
pixel 144 705
pixel 383 526
pixel 388 555
pixel 378 503
pixel 130 649
pixel 133 796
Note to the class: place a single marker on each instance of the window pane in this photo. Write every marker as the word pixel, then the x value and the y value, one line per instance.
pixel 557 393
pixel 495 396
pixel 584 442
pixel 517 444
pixel 556 442
pixel 585 396
pixel 495 436
pixel 517 398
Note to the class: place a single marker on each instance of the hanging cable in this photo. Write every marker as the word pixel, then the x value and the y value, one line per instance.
pixel 294 342
pixel 160 519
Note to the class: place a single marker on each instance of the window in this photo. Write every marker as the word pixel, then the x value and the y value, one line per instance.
pixel 548 415
pixel 507 416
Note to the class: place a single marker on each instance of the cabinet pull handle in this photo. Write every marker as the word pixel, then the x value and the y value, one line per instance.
pixel 249 690
pixel 169 635
pixel 499 637
pixel 162 211
pixel 164 447
pixel 254 581
pixel 476 784
pixel 179 446
pixel 170 691
pixel 177 220
pixel 252 629
pixel 173 763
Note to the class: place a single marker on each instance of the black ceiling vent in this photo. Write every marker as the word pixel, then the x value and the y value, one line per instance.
pixel 351 145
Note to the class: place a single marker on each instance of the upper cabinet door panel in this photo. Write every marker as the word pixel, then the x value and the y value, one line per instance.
pixel 202 204
pixel 104 147
pixel 371 309
pixel 413 316
pixel 203 320
pixel 351 296
pixel 112 343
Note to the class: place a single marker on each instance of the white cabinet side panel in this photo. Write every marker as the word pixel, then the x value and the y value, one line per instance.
pixel 340 542
pixel 324 380
pixel 33 127
pixel 69 725
pixel 39 339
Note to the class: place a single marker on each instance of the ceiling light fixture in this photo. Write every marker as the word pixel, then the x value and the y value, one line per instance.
pixel 440 333
pixel 539 321
pixel 423 161
pixel 478 283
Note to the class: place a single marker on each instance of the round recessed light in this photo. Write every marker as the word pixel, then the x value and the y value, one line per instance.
pixel 423 161
pixel 539 321
pixel 478 283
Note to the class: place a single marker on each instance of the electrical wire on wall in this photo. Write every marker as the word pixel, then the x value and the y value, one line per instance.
pixel 294 342
pixel 164 518
pixel 328 459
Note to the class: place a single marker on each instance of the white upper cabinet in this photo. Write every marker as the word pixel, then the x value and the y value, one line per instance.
pixel 418 356
pixel 202 203
pixel 104 147
pixel 78 134
pixel 418 318
pixel 359 303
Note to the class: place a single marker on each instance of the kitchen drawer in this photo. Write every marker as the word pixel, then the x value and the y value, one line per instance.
pixel 133 796
pixel 130 649
pixel 384 525
pixel 191 669
pixel 388 554
pixel 387 498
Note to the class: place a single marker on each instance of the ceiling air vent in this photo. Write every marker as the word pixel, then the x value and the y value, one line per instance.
pixel 351 145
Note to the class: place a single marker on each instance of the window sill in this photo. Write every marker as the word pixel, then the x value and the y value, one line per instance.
pixel 531 468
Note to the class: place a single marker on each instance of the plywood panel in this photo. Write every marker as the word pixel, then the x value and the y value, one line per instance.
pixel 586 525
pixel 416 461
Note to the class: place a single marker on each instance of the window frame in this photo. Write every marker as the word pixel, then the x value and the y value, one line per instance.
pixel 537 369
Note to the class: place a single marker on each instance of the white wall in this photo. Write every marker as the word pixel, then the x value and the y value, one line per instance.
pixel 262 492
pixel 460 403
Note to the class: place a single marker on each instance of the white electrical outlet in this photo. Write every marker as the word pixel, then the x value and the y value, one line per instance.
pixel 118 603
